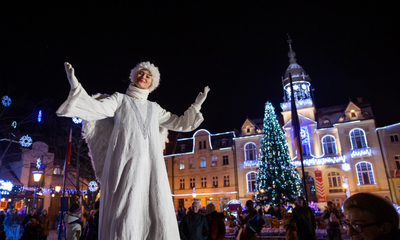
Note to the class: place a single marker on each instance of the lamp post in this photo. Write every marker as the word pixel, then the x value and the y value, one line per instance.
pixel 57 188
pixel 36 177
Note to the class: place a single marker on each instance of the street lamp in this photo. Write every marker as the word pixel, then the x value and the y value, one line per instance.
pixel 36 177
pixel 57 188
pixel 194 193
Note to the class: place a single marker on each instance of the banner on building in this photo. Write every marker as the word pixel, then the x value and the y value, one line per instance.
pixel 319 185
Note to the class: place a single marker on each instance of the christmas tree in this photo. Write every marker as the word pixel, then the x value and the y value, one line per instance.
pixel 277 180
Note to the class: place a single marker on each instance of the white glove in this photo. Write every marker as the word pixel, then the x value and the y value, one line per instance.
pixel 73 81
pixel 202 96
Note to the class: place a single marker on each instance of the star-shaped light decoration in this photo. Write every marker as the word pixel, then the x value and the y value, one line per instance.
pixel 25 141
pixel 6 101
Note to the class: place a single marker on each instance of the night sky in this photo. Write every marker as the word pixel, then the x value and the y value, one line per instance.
pixel 239 49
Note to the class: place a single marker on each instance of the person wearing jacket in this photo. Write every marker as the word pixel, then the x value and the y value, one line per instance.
pixel 31 231
pixel 73 222
pixel 331 216
pixel 45 225
pixel 250 212
pixel 194 226
pixel 216 223
pixel 305 220
pixel 29 216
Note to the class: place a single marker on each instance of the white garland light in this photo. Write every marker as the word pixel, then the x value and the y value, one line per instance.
pixel 25 141
pixel 76 120
pixel 360 152
pixel 250 163
pixel 320 161
pixel 6 100
pixel 6 186
pixel 346 167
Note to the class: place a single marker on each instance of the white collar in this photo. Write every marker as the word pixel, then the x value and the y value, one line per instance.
pixel 136 92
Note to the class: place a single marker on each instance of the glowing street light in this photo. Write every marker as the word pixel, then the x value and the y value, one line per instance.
pixel 57 188
pixel 37 174
pixel 194 193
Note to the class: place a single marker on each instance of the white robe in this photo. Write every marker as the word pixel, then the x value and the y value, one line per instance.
pixel 136 200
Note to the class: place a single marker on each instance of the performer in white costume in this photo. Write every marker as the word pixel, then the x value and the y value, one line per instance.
pixel 123 134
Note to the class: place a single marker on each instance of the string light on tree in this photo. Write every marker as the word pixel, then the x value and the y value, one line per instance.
pixel 277 180
pixel 6 101
pixel 25 141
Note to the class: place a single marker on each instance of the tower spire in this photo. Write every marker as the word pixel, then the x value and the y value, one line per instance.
pixel 291 53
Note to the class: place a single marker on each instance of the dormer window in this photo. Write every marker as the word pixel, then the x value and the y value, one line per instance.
pixel 326 121
pixel 353 114
pixel 183 147
pixel 248 130
pixel 224 142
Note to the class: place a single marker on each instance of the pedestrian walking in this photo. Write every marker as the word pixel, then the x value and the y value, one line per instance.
pixel 194 225
pixel 45 225
pixel 216 223
pixel 332 216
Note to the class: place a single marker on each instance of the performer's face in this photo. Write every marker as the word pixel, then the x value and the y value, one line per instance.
pixel 143 79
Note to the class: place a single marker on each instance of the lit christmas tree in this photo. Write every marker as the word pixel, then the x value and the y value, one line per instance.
pixel 277 180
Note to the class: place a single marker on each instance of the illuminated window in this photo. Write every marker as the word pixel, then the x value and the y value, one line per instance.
pixel 192 182
pixel 394 138
pixel 353 114
pixel 215 181
pixel 182 183
pixel 250 151
pixel 251 181
pixel 306 150
pixel 203 182
pixel 214 160
pixel 57 170
pixel 365 173
pixel 181 164
pixel 202 162
pixel 225 160
pixel 357 137
pixel 329 144
pixel 305 140
pixel 334 180
pixel 191 163
pixel 226 181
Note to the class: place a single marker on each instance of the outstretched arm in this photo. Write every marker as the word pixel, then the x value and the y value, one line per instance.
pixel 73 81
pixel 189 121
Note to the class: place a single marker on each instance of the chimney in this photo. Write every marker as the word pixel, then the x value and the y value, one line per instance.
pixel 359 100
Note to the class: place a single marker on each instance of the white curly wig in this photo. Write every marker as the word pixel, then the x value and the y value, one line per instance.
pixel 153 70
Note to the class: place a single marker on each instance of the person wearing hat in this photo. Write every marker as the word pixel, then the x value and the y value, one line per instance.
pixel 126 134
pixel 73 222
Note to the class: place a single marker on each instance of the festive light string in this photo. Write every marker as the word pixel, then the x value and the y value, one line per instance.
pixel 321 161
pixel 360 152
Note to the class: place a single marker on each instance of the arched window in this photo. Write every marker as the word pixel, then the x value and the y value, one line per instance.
pixel 334 180
pixel 250 151
pixel 251 181
pixel 329 144
pixel 357 137
pixel 365 173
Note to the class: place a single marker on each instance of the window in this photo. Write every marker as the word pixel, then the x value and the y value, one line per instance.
pixel 226 181
pixel 353 114
pixel 338 202
pixel 202 144
pixel 250 151
pixel 357 137
pixel 365 173
pixel 215 181
pixel 397 158
pixel 334 179
pixel 306 149
pixel 57 170
pixel 202 162
pixel 214 161
pixel 225 160
pixel 329 144
pixel 251 181
pixel 182 183
pixel 192 183
pixel 203 182
pixel 191 163
pixel 181 164
pixel 248 130
pixel 224 142
pixel 394 138
pixel 183 147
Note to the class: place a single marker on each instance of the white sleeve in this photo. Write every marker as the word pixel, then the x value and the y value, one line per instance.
pixel 80 104
pixel 189 121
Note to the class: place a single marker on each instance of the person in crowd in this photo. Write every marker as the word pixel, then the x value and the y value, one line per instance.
pixel 332 216
pixel 86 232
pixel 247 234
pixel 371 217
pixel 180 214
pixel 45 225
pixel 8 221
pixel 31 230
pixel 194 226
pixel 275 211
pixel 32 214
pixel 94 226
pixel 305 220
pixel 2 233
pixel 216 223
pixel 2 217
pixel 290 226
pixel 74 222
